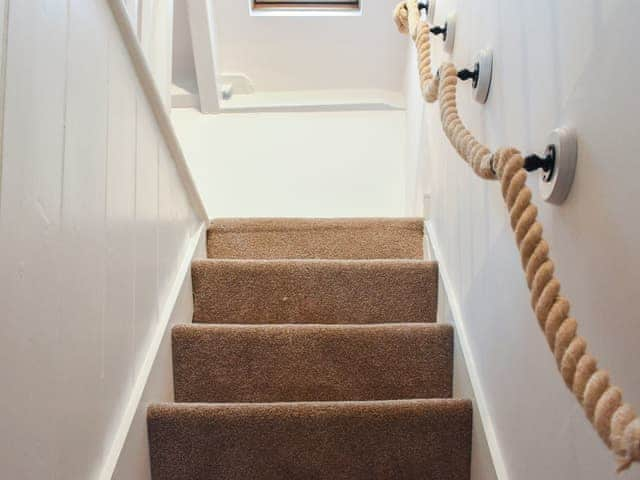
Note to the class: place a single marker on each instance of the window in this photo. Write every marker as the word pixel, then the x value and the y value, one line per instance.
pixel 335 5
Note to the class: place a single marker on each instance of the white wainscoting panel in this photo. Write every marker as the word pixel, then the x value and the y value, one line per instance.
pixel 95 225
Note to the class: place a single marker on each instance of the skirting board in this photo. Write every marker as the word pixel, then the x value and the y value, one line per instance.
pixel 435 254
pixel 140 382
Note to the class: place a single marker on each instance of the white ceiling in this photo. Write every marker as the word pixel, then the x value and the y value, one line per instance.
pixel 299 52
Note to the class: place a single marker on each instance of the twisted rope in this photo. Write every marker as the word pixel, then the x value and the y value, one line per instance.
pixel 429 84
pixel 615 421
pixel 401 17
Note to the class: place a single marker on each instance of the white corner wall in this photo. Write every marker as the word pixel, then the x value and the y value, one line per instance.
pixel 154 22
pixel 566 62
pixel 95 230
pixel 322 164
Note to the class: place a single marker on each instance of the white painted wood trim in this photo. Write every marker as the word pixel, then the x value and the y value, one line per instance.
pixel 111 459
pixel 202 42
pixel 156 101
pixel 481 400
pixel 314 100
pixel 297 101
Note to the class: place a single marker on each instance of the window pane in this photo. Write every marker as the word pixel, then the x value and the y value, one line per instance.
pixel 307 3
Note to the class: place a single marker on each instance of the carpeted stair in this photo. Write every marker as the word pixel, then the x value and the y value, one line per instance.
pixel 314 291
pixel 342 238
pixel 313 355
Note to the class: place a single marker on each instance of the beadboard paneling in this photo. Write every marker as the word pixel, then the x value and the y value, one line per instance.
pixel 94 226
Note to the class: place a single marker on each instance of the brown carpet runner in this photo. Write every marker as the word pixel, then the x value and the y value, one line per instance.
pixel 312 356
pixel 343 238
pixel 314 291
pixel 402 439
pixel 288 363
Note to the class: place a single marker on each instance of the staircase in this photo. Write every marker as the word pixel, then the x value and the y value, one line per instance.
pixel 314 354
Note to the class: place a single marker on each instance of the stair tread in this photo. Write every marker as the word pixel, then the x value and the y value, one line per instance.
pixel 315 238
pixel 401 439
pixel 304 223
pixel 252 363
pixel 314 291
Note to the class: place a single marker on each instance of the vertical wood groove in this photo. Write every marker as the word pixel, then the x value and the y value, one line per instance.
pixel 86 199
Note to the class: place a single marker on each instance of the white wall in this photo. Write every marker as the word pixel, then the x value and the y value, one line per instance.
pixel 133 7
pixel 281 53
pixel 94 228
pixel 155 30
pixel 556 62
pixel 183 65
pixel 296 164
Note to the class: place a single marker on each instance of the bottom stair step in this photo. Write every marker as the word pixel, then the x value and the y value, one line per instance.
pixel 399 439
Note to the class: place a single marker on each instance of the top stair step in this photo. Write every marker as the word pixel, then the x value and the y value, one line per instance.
pixel 323 238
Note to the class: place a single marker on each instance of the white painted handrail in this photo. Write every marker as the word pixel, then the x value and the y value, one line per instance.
pixel 152 93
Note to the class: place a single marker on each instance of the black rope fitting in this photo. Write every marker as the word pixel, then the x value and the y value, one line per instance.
pixel 440 31
pixel 546 163
pixel 473 75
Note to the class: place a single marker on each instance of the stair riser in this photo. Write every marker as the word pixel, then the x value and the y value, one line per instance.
pixel 311 363
pixel 318 238
pixel 314 291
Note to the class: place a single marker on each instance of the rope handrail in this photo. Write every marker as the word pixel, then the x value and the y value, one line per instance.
pixel 615 421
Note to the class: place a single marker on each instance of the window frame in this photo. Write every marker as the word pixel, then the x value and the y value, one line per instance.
pixel 305 7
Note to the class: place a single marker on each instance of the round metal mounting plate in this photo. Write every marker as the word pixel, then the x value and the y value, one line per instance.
pixel 556 184
pixel 484 60
pixel 450 40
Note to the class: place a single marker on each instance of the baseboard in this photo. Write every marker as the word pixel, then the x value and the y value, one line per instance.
pixel 434 252
pixel 122 430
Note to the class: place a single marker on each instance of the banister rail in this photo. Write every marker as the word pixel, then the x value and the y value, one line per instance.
pixel 615 421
